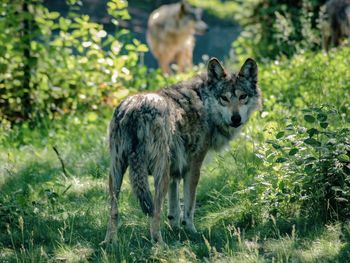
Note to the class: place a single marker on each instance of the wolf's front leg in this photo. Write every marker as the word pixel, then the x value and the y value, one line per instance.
pixel 190 186
pixel 174 204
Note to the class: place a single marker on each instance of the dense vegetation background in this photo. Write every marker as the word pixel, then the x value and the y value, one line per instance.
pixel 278 194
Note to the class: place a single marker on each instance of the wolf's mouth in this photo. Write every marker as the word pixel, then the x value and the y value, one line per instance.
pixel 236 125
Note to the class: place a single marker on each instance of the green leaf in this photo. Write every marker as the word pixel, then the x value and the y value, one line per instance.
pixel 312 142
pixel 309 118
pixel 293 151
pixel 343 158
pixel 312 132
pixel 142 48
pixel 309 169
pixel 64 23
pixel 281 160
pixel 54 15
pixel 279 135
pixel 324 125
pixel 116 47
pixel 321 117
pixel 276 146
pixel 92 116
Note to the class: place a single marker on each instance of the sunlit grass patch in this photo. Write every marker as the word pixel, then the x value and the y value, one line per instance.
pixel 77 253
pixel 82 185
pixel 319 246
pixel 324 248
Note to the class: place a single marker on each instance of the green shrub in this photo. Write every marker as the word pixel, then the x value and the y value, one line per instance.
pixel 278 28
pixel 58 65
pixel 306 165
pixel 312 160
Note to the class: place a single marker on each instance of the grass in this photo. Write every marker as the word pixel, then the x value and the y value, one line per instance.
pixel 47 216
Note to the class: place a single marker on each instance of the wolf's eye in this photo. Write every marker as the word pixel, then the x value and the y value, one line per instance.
pixel 242 97
pixel 224 98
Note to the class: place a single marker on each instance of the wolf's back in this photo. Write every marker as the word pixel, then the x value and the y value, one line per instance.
pixel 140 137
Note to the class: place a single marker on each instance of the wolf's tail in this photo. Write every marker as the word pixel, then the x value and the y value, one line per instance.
pixel 139 181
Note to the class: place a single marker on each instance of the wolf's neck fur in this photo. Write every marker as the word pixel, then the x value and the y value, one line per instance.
pixel 193 102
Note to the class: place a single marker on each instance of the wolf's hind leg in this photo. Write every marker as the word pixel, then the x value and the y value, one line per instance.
pixel 115 181
pixel 174 204
pixel 164 59
pixel 165 66
pixel 161 183
pixel 184 59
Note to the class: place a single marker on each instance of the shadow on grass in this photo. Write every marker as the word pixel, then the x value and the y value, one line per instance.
pixel 64 221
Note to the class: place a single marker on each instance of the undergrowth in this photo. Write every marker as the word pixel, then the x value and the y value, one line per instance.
pixel 279 193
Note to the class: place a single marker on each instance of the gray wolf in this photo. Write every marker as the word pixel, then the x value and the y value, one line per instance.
pixel 168 133
pixel 170 34
pixel 337 23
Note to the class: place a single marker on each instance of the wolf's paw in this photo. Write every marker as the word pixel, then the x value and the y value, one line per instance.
pixel 174 222
pixel 189 226
pixel 104 242
pixel 111 237
pixel 107 241
pixel 157 238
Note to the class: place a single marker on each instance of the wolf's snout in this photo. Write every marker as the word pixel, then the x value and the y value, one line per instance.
pixel 236 120
pixel 201 28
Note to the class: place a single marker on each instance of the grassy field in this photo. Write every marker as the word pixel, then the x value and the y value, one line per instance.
pixel 244 213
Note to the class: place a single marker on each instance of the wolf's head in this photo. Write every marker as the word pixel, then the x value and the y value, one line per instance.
pixel 190 16
pixel 232 97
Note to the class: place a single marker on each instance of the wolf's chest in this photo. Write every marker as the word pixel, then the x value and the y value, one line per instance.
pixel 186 148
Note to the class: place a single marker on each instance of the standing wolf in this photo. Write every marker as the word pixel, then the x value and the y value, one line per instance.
pixel 168 133
pixel 337 23
pixel 170 34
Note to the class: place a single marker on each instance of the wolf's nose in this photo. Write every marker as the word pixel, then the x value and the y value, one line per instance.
pixel 236 120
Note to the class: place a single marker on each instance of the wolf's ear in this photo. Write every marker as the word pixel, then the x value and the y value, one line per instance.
pixel 182 8
pixel 249 71
pixel 215 70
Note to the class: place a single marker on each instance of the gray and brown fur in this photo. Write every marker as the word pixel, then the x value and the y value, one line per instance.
pixel 170 34
pixel 168 133
pixel 336 25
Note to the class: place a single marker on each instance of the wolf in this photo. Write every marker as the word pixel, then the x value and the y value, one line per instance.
pixel 336 24
pixel 170 34
pixel 168 133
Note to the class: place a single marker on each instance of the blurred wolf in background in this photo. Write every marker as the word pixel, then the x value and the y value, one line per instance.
pixel 337 23
pixel 170 34
pixel 168 133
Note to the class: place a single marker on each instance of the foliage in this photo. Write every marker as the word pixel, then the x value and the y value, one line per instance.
pixel 278 28
pixel 73 64
pixel 263 199
pixel 308 143
pixel 312 160
pixel 221 9
pixel 266 198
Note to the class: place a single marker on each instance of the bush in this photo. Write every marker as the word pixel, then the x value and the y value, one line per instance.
pixel 305 159
pixel 313 159
pixel 52 65
pixel 278 28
